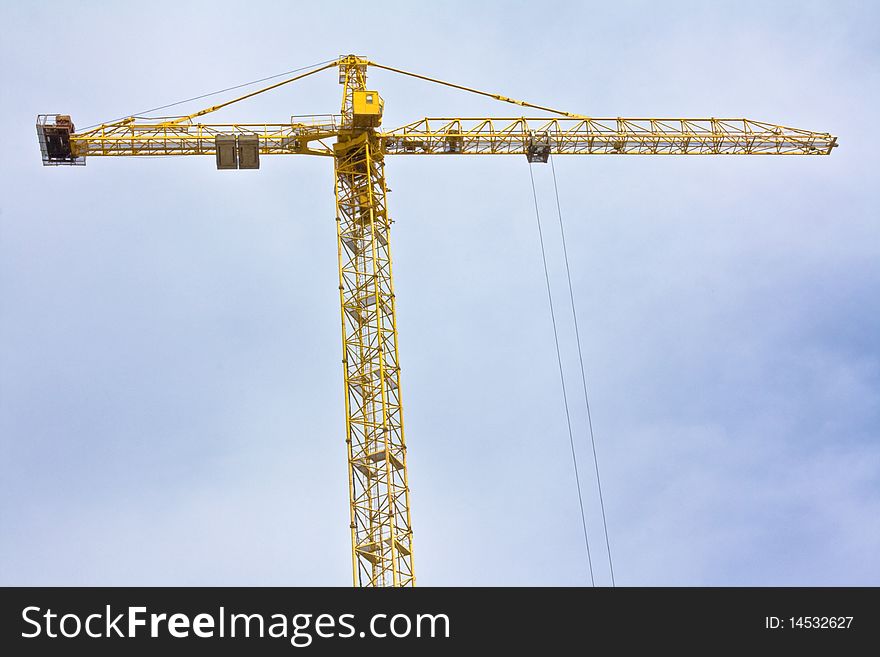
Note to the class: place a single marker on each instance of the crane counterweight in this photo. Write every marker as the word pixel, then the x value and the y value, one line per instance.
pixel 241 151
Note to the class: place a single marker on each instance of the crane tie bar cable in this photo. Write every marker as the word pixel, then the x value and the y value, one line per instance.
pixel 324 65
pixel 577 478
pixel 504 99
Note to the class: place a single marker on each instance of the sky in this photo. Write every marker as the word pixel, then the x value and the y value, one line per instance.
pixel 171 408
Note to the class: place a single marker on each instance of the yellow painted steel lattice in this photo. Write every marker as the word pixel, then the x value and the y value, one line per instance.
pixel 381 531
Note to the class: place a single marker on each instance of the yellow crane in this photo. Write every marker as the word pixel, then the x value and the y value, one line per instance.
pixel 381 526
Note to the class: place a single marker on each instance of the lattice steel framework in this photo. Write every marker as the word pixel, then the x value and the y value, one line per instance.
pixel 381 528
pixel 381 531
pixel 478 136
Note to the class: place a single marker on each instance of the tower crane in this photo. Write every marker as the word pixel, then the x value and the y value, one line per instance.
pixel 381 525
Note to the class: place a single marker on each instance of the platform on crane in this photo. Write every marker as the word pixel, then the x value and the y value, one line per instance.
pixel 53 132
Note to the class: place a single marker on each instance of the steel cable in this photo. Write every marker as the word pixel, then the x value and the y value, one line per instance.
pixel 212 93
pixel 583 375
pixel 562 381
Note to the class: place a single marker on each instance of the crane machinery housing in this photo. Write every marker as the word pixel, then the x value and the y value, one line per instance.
pixel 380 519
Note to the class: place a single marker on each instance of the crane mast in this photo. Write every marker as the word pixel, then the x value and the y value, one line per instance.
pixel 381 530
pixel 380 519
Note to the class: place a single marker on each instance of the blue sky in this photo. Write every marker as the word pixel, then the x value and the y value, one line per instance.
pixel 170 378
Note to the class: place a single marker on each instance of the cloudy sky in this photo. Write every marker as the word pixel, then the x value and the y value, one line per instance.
pixel 171 403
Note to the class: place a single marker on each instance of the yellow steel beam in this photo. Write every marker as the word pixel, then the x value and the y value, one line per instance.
pixel 146 139
pixel 603 136
pixel 214 108
pixel 474 136
pixel 381 529
pixel 494 96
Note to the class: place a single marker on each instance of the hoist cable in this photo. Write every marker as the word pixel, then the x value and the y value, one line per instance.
pixel 583 375
pixel 562 380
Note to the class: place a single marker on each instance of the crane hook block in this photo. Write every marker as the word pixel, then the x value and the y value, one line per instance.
pixel 237 151
pixel 54 132
pixel 538 147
